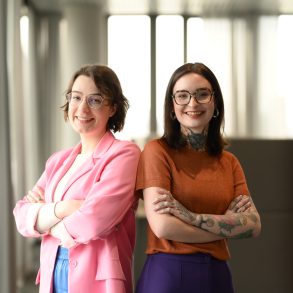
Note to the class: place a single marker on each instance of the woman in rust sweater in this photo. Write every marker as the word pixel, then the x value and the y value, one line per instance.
pixel 195 193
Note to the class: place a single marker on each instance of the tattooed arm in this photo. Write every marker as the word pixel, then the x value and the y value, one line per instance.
pixel 165 225
pixel 169 227
pixel 241 220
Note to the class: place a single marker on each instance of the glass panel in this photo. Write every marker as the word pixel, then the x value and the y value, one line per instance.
pixel 170 55
pixel 129 57
pixel 284 78
pixel 209 42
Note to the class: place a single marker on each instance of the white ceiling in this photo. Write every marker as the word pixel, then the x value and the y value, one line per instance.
pixel 189 7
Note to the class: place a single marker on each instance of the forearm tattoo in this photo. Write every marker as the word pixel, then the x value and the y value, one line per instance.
pixel 223 227
pixel 185 213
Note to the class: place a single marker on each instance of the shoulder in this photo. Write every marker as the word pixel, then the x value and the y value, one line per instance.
pixel 123 150
pixel 155 145
pixel 156 152
pixel 60 155
pixel 229 158
pixel 126 145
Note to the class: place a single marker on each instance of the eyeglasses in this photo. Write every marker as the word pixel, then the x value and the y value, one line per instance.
pixel 94 101
pixel 202 96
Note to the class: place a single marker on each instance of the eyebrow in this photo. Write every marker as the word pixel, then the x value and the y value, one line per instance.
pixel 79 92
pixel 201 88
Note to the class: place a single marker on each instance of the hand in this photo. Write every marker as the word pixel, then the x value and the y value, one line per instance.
pixel 239 204
pixel 167 204
pixel 36 195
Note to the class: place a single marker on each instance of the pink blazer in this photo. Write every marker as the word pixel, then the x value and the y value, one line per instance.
pixel 101 234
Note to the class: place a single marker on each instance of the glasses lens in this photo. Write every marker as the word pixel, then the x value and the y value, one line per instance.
pixel 95 101
pixel 203 95
pixel 73 98
pixel 68 97
pixel 182 97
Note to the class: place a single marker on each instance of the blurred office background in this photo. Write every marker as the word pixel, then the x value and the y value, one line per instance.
pixel 247 43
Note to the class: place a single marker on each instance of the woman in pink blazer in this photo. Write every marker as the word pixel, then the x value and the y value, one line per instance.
pixel 83 205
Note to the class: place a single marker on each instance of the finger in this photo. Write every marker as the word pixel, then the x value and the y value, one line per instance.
pixel 162 205
pixel 165 211
pixel 234 202
pixel 163 197
pixel 163 191
pixel 35 196
pixel 30 198
pixel 244 208
pixel 238 198
pixel 243 202
pixel 40 191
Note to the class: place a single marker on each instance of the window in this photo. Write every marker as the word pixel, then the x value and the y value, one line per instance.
pixel 251 57
pixel 169 55
pixel 129 57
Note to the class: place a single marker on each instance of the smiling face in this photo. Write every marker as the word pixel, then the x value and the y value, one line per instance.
pixel 193 117
pixel 90 123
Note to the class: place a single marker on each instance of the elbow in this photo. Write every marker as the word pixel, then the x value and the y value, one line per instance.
pixel 257 229
pixel 161 230
pixel 255 225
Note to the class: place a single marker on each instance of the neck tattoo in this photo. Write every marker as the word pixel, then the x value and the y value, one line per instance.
pixel 196 140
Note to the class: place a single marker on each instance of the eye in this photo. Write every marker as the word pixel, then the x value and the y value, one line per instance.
pixel 95 100
pixel 75 97
pixel 203 94
pixel 182 95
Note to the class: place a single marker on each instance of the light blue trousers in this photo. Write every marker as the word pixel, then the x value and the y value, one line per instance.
pixel 61 271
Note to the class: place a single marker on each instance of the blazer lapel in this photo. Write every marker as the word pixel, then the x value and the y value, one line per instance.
pixel 102 147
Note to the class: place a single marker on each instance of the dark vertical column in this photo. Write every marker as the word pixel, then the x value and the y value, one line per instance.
pixel 7 264
pixel 153 114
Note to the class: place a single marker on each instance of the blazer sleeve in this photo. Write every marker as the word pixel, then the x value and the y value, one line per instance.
pixel 25 215
pixel 109 199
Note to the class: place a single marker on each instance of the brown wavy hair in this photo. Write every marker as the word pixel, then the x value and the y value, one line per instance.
pixel 108 83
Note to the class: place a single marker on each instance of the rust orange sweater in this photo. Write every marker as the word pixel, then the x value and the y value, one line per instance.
pixel 202 183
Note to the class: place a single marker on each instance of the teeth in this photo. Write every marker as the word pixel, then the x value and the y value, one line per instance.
pixel 83 119
pixel 193 113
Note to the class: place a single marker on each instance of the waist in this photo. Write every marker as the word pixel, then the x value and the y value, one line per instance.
pixel 62 253
pixel 194 257
pixel 217 249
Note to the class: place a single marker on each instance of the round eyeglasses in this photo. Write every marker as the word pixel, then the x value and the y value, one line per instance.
pixel 202 96
pixel 94 101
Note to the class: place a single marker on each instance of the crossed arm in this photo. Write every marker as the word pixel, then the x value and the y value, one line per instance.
pixel 169 219
pixel 49 217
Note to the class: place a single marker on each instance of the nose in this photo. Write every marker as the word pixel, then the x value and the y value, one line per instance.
pixel 83 104
pixel 193 101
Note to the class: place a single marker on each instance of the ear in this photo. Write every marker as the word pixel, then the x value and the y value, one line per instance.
pixel 113 110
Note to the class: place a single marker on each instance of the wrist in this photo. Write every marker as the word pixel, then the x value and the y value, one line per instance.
pixel 193 219
pixel 58 211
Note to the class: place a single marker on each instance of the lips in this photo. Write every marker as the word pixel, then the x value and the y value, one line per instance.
pixel 193 113
pixel 83 119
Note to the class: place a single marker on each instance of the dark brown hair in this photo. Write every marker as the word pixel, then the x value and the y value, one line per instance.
pixel 108 83
pixel 215 142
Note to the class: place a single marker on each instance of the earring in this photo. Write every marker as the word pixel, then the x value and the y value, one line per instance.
pixel 216 113
pixel 173 116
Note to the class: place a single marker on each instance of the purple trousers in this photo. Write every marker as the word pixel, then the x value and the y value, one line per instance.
pixel 187 273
